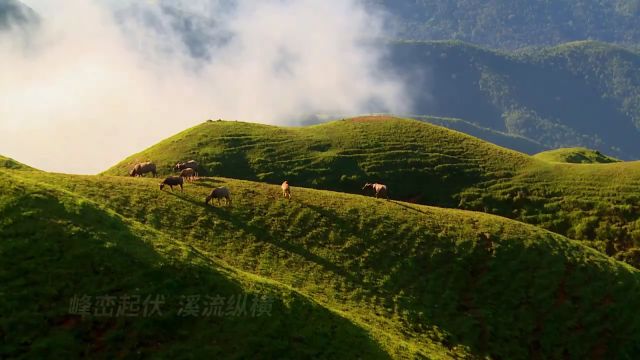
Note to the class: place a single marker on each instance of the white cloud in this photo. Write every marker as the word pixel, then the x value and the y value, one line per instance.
pixel 89 91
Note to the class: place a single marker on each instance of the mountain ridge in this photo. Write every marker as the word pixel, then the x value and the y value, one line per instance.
pixel 516 24
pixel 577 94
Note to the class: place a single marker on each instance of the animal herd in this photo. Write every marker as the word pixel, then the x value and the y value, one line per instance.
pixel 189 172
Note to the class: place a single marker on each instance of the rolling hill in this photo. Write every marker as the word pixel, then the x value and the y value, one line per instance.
pixel 576 156
pixel 352 276
pixel 417 158
pixel 514 142
pixel 421 163
pixel 583 94
pixel 9 163
pixel 58 246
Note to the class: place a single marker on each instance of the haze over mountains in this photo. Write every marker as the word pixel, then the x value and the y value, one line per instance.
pixel 585 93
pixel 142 82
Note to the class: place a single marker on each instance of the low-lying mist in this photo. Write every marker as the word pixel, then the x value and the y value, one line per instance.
pixel 98 81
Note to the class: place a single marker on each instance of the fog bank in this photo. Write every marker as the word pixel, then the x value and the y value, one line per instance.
pixel 96 83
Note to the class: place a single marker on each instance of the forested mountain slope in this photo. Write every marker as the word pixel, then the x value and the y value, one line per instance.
pixel 578 94
pixel 514 24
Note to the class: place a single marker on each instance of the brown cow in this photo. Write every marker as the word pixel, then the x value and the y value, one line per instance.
pixel 219 193
pixel 172 181
pixel 286 190
pixel 380 190
pixel 143 168
pixel 188 174
pixel 191 164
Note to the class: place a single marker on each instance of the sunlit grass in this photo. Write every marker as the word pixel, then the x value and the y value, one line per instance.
pixel 418 280
pixel 425 164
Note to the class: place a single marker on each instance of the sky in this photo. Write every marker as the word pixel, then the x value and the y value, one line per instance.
pixel 101 80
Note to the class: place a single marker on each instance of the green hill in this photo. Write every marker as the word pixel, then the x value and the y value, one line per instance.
pixel 514 24
pixel 421 163
pixel 576 156
pixel 354 276
pixel 514 142
pixel 9 163
pixel 58 246
pixel 415 157
pixel 583 94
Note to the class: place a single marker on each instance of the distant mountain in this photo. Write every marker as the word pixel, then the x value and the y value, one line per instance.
pixel 494 23
pixel 517 23
pixel 577 94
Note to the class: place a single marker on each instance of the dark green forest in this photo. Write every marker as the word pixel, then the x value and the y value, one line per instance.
pixel 514 24
pixel 576 94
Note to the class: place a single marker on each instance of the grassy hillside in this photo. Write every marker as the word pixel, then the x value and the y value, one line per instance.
pixel 597 203
pixel 576 156
pixel 9 163
pixel 420 281
pixel 577 94
pixel 57 246
pixel 514 142
pixel 425 164
pixel 415 157
pixel 515 24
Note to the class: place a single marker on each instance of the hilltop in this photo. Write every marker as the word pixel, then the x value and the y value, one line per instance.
pixel 576 156
pixel 420 163
pixel 354 276
pixel 576 94
pixel 9 163
pixel 417 158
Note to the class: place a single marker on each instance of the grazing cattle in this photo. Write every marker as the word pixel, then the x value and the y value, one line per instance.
pixel 143 168
pixel 188 174
pixel 380 190
pixel 191 164
pixel 172 181
pixel 286 190
pixel 219 193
